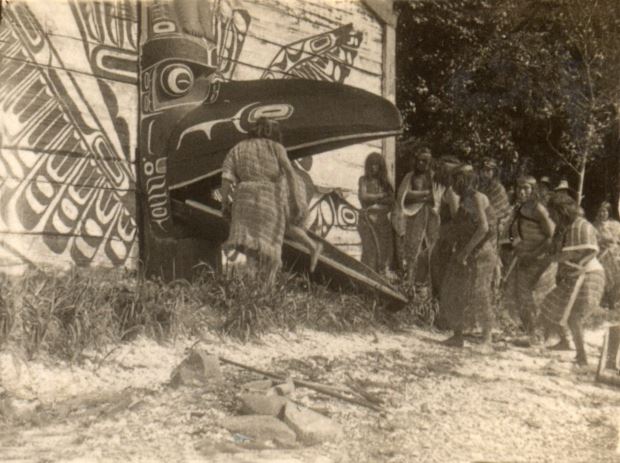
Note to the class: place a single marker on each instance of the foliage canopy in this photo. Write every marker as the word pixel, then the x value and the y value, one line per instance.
pixel 534 84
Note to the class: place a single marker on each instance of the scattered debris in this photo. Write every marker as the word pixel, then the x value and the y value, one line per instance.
pixel 260 404
pixel 311 427
pixel 332 391
pixel 261 385
pixel 284 389
pixel 198 368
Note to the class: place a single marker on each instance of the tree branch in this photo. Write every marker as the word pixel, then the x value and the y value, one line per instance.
pixel 559 154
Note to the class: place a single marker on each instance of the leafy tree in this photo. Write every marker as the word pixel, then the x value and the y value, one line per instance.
pixel 533 84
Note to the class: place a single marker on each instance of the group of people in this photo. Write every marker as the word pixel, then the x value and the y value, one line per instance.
pixel 451 226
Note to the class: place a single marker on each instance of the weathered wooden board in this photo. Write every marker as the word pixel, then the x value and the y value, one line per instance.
pixel 35 102
pixel 69 112
pixel 342 167
pixel 68 133
pixel 287 21
pixel 277 23
pixel 360 79
pixel 70 168
pixel 44 206
pixel 52 250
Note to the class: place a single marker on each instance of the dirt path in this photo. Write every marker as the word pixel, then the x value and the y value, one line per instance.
pixel 444 405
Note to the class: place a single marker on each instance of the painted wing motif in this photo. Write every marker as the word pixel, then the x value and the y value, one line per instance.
pixel 65 180
pixel 328 56
pixel 109 31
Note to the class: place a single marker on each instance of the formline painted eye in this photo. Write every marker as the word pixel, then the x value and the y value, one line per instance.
pixel 177 80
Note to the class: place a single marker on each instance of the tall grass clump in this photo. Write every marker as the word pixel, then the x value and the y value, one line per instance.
pixel 63 313
pixel 248 307
pixel 67 313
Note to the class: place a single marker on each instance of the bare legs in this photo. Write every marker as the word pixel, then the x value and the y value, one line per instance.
pixel 562 332
pixel 577 332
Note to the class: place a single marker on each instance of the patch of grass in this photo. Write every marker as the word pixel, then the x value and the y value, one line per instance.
pixel 250 308
pixel 66 313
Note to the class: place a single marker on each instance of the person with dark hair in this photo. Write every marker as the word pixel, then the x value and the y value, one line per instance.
pixel 544 189
pixel 376 197
pixel 416 219
pixel 608 235
pixel 531 233
pixel 495 191
pixel 580 279
pixel 466 291
pixel 448 207
pixel 267 201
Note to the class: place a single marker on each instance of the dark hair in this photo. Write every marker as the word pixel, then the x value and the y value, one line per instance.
pixel 531 181
pixel 565 207
pixel 266 128
pixel 443 173
pixel 605 205
pixel 464 180
pixel 423 151
pixel 377 158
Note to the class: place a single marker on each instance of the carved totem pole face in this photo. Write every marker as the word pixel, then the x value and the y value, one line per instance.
pixel 186 48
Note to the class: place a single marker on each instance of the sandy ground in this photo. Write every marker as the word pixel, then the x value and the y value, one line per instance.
pixel 442 405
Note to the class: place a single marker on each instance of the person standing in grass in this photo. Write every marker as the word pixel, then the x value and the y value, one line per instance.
pixel 580 279
pixel 466 294
pixel 531 233
pixel 376 197
pixel 608 234
pixel 262 196
pixel 417 218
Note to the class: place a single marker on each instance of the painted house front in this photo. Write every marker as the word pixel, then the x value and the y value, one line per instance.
pixel 76 178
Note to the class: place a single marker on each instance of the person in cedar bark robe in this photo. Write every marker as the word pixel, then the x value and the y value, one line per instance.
pixel 376 196
pixel 608 234
pixel 267 201
pixel 466 293
pixel 580 279
pixel 416 217
pixel 531 233
pixel 495 191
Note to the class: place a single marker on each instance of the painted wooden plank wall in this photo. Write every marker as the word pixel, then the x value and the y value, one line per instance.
pixel 68 133
pixel 276 24
pixel 68 117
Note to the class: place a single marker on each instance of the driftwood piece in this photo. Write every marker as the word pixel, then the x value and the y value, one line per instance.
pixel 324 389
pixel 355 385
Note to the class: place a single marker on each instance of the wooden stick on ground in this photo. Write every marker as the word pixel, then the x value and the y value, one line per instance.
pixel 327 390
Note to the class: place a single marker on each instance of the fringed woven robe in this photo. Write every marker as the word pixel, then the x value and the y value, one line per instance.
pixel 444 246
pixel 262 173
pixel 498 198
pixel 609 257
pixel 466 293
pixel 418 224
pixel 525 274
pixel 579 285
